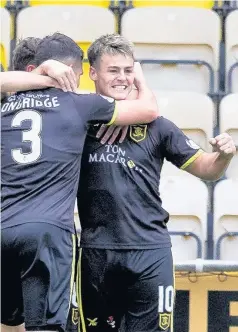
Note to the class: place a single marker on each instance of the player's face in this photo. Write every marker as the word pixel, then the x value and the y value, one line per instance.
pixel 114 76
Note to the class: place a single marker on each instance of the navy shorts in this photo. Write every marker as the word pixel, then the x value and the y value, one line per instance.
pixel 38 262
pixel 125 290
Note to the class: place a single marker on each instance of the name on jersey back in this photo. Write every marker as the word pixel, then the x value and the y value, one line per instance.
pixel 17 102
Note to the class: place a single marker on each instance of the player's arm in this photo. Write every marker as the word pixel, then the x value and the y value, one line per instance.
pixel 211 166
pixel 142 110
pixel 58 76
pixel 109 134
pixel 187 155
pixel 13 81
pixel 175 146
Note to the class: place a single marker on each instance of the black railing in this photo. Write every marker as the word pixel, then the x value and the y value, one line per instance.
pixel 211 91
pixel 219 241
pixel 229 77
pixel 193 235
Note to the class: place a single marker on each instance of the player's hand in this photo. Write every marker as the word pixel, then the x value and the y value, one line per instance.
pixel 133 95
pixel 139 76
pixel 223 144
pixel 50 82
pixel 63 74
pixel 110 134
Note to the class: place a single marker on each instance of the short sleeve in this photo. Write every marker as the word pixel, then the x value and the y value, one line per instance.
pixel 178 148
pixel 96 108
pixel 104 110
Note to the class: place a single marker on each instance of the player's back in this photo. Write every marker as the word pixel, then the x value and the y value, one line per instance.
pixel 42 141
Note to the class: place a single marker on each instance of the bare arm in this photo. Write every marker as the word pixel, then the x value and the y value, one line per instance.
pixel 12 81
pixel 111 133
pixel 142 110
pixel 58 76
pixel 211 166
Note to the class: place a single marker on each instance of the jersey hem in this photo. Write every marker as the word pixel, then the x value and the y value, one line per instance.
pixel 127 247
pixel 69 229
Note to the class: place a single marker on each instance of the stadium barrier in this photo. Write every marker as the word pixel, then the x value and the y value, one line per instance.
pixel 206 296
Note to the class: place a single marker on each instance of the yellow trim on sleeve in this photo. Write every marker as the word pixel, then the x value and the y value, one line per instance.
pixel 113 116
pixel 191 160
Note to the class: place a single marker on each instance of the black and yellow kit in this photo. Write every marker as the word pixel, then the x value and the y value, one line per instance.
pixel 43 134
pixel 124 226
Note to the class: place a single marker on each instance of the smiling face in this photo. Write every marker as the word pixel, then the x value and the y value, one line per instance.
pixel 113 75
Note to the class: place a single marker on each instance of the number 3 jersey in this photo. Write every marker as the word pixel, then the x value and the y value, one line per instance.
pixel 43 134
pixel 118 199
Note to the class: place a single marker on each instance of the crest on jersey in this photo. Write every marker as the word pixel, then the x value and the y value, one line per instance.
pixel 192 144
pixel 138 132
pixel 164 321
pixel 75 316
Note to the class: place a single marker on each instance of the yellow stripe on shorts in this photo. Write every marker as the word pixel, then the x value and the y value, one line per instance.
pixel 79 294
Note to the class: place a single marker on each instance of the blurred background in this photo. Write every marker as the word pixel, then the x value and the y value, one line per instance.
pixel 189 54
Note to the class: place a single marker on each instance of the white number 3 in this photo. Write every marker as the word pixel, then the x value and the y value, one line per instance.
pixel 32 135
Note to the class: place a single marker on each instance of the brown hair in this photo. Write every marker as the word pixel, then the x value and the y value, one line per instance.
pixel 109 44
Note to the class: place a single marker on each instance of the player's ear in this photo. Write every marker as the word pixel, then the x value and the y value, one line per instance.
pixel 93 73
pixel 30 68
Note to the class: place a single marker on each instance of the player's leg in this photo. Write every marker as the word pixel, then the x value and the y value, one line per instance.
pixel 47 259
pixel 97 291
pixel 151 297
pixel 12 318
pixel 73 317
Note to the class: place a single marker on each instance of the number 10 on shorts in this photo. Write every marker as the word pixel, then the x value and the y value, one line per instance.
pixel 166 298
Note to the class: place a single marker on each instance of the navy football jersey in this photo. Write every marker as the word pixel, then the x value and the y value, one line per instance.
pixel 118 198
pixel 43 134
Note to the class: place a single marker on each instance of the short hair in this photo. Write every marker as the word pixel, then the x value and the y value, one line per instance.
pixel 57 47
pixel 24 53
pixel 111 44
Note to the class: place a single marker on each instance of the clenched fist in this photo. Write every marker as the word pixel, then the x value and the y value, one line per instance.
pixel 223 144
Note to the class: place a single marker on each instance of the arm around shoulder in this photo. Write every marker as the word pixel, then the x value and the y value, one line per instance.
pixel 143 110
pixel 13 81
